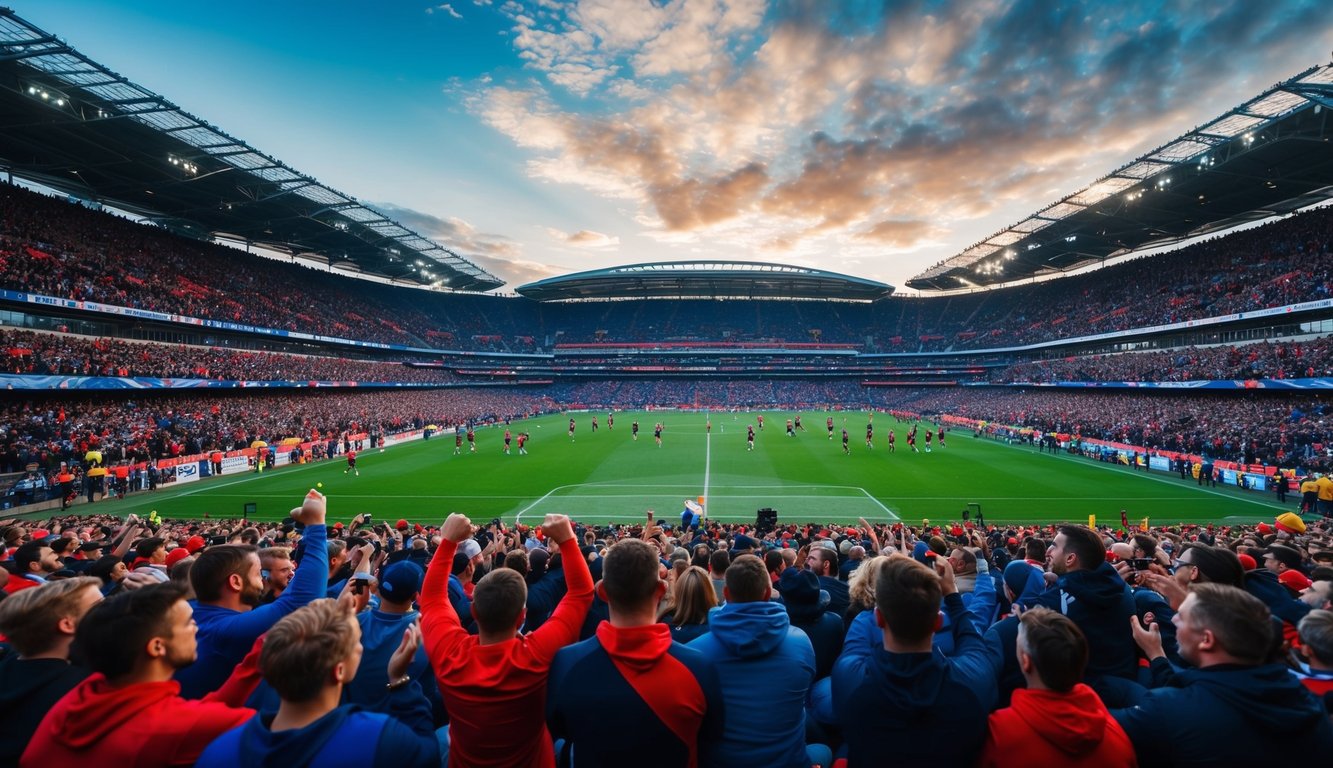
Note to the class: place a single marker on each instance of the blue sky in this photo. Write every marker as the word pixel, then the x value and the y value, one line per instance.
pixel 538 138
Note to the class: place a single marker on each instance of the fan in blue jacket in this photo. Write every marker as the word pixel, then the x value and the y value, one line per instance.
pixel 228 586
pixel 769 667
pixel 1232 708
pixel 905 701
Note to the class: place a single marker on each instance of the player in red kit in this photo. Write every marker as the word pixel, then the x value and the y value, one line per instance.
pixel 351 464
pixel 508 438
pixel 829 423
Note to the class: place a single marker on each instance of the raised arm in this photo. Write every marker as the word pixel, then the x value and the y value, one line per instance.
pixel 564 625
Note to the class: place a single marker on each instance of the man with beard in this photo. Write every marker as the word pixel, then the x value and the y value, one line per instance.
pixel 229 588
pixel 128 711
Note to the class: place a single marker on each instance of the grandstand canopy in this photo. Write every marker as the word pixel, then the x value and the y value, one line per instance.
pixel 1271 155
pixel 706 280
pixel 71 124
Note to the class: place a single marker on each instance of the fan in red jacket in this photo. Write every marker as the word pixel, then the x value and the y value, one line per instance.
pixel 494 682
pixel 130 713
pixel 1056 720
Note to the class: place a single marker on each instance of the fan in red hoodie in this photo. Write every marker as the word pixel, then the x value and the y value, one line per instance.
pixel 129 713
pixel 1056 720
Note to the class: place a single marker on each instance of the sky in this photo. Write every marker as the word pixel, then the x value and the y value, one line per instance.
pixel 541 138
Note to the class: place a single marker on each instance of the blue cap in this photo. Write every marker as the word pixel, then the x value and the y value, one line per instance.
pixel 400 582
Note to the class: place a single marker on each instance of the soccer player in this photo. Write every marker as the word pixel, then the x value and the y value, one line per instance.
pixel 657 433
pixel 829 423
pixel 799 428
pixel 845 447
pixel 458 441
pixel 791 431
pixel 708 425
pixel 351 464
pixel 508 437
pixel 634 430
pixel 594 423
pixel 749 437
pixel 911 439
pixel 892 447
pixel 870 434
pixel 471 439
pixel 928 434
pixel 571 430
pixel 760 418
pixel 522 440
pixel 940 435
pixel 610 421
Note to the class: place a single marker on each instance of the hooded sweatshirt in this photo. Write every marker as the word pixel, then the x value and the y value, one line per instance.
pixel 1050 728
pixel 926 708
pixel 1100 603
pixel 773 665
pixel 28 690
pixel 346 737
pixel 138 725
pixel 1229 714
pixel 625 688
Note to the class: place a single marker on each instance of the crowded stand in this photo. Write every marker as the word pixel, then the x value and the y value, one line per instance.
pixel 33 353
pixel 432 641
pixel 55 248
pixel 51 429
pixel 1261 360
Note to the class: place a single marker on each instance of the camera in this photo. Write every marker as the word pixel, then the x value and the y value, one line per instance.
pixel 1140 563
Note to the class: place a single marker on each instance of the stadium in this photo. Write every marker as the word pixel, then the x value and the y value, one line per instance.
pixel 196 336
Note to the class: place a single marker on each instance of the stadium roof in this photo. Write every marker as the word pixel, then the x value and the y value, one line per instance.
pixel 1271 155
pixel 706 280
pixel 71 124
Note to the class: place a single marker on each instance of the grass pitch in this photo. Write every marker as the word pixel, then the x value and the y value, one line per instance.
pixel 605 476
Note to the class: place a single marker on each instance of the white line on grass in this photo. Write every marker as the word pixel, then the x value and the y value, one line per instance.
pixel 708 462
pixel 887 511
pixel 519 516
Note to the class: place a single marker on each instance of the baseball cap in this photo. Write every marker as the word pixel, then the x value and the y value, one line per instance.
pixel 401 581
pixel 176 555
pixel 194 544
pixel 401 525
pixel 1294 580
pixel 469 548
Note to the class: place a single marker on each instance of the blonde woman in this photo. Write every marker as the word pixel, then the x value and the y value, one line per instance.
pixel 692 597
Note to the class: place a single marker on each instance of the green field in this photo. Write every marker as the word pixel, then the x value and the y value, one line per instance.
pixel 606 477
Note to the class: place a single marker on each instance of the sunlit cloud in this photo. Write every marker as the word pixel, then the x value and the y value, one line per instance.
pixel 816 129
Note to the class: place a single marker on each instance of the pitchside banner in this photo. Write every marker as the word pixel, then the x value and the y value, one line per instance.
pixel 233 464
pixel 187 473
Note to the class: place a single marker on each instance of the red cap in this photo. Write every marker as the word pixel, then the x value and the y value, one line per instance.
pixel 401 525
pixel 338 526
pixel 1264 529
pixel 1294 580
pixel 1013 542
pixel 194 544
pixel 418 528
pixel 40 533
pixel 1111 557
pixel 1247 562
pixel 176 555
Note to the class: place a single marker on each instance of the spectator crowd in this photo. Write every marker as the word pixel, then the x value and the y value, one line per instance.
pixel 432 641
pixel 52 247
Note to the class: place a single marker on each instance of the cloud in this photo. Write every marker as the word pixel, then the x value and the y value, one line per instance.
pixel 868 131
pixel 584 238
pixel 445 8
